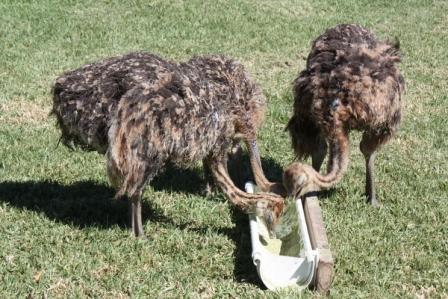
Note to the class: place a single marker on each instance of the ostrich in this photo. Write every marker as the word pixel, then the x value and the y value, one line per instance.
pixel 143 111
pixel 351 82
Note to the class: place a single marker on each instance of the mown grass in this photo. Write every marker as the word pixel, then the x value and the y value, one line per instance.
pixel 63 236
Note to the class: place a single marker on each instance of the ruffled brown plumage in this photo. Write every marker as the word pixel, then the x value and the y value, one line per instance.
pixel 145 111
pixel 351 82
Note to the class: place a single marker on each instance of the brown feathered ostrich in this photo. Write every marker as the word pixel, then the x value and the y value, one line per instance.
pixel 351 82
pixel 144 111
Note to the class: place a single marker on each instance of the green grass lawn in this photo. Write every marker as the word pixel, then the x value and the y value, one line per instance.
pixel 62 235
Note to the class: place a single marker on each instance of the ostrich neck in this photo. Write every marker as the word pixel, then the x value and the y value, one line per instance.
pixel 338 161
pixel 255 162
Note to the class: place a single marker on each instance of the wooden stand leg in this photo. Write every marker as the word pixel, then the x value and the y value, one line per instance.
pixel 319 242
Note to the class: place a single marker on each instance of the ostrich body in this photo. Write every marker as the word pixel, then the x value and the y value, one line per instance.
pixel 351 82
pixel 85 99
pixel 144 111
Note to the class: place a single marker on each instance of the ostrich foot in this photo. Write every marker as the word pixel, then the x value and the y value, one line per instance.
pixel 373 201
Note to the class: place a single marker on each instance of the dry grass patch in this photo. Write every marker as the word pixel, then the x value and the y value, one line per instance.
pixel 23 112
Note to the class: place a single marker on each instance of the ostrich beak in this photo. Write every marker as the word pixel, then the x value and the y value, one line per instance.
pixel 270 220
pixel 298 186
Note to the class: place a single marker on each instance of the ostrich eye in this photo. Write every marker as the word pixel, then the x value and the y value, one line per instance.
pixel 334 104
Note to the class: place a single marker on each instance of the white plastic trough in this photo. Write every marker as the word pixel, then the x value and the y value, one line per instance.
pixel 299 268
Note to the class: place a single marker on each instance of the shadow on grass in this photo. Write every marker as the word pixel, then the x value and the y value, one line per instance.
pixel 244 269
pixel 91 204
pixel 240 174
pixel 82 204
pixel 88 203
pixel 190 181
pixel 326 194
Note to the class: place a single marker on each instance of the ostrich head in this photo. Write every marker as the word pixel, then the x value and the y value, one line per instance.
pixel 270 213
pixel 300 179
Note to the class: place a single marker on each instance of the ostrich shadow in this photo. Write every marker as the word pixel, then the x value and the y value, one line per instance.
pixel 90 204
pixel 244 268
pixel 240 170
pixel 179 180
pixel 81 204
pixel 193 181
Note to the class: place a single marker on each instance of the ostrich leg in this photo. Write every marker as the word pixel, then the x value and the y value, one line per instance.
pixel 131 189
pixel 136 217
pixel 208 177
pixel 369 144
pixel 370 183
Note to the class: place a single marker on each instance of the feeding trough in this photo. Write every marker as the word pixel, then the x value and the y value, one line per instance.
pixel 299 255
